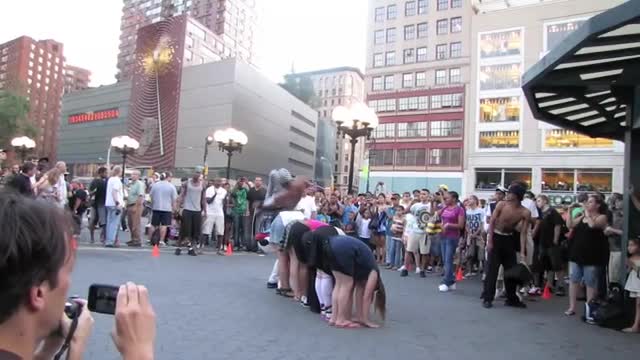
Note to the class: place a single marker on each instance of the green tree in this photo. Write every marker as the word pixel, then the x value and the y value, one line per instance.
pixel 13 118
pixel 300 87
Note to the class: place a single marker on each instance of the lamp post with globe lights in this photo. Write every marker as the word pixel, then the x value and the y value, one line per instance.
pixel 356 121
pixel 23 145
pixel 126 146
pixel 207 142
pixel 229 141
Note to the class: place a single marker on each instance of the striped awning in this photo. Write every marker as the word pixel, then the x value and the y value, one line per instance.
pixel 584 84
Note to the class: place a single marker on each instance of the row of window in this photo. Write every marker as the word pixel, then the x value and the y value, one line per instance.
pixel 553 180
pixel 553 139
pixel 443 26
pixel 420 129
pixel 415 103
pixel 449 157
pixel 412 8
pixel 418 55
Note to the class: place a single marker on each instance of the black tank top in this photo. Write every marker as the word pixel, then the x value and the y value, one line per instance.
pixel 589 246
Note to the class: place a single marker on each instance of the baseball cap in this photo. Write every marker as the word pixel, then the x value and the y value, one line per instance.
pixel 444 187
pixel 502 189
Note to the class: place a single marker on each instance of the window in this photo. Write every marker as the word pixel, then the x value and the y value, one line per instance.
pixel 594 180
pixel 421 79
pixel 556 33
pixel 388 82
pixel 381 157
pixel 498 44
pixel 385 131
pixel 421 54
pixel 409 8
pixel 346 168
pixel 383 105
pixel 423 6
pixel 500 77
pixel 413 103
pixel 409 32
pixel 441 51
pixel 378 37
pixel 408 55
pixel 445 157
pixel 442 26
pixel 455 49
pixel 443 5
pixel 412 130
pixel 488 179
pixel 456 4
pixel 499 139
pixel 390 58
pixel 379 14
pixel 500 109
pixel 345 180
pixel 423 29
pixel 446 101
pixel 391 35
pixel 558 180
pixel 441 77
pixel 522 175
pixel 455 76
pixel 391 12
pixel 378 60
pixel 407 80
pixel 377 84
pixel 411 157
pixel 445 128
pixel 567 139
pixel 456 25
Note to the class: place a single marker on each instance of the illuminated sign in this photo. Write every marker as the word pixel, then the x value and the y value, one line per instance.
pixel 94 116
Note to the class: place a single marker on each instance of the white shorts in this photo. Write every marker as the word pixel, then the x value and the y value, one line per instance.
pixel 213 220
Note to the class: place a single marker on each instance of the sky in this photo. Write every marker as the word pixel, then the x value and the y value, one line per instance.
pixel 301 34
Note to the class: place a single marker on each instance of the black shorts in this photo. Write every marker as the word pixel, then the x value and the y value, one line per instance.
pixel 161 218
pixel 191 225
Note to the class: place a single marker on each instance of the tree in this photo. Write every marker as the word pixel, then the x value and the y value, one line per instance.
pixel 13 118
pixel 300 87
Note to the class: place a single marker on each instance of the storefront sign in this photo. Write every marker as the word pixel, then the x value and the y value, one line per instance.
pixel 94 116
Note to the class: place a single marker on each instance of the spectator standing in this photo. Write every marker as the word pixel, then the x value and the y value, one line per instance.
pixel 614 235
pixel 240 207
pixel 416 235
pixel 163 202
pixel 256 195
pixel 406 200
pixel 193 202
pixel 62 183
pixel 135 201
pixel 47 186
pixel 215 197
pixel 113 205
pixel 349 210
pixel 549 238
pixel 21 182
pixel 308 205
pixel 474 229
pixel 453 220
pixel 98 192
pixel 389 243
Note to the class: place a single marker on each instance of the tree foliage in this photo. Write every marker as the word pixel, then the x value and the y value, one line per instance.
pixel 13 118
pixel 300 87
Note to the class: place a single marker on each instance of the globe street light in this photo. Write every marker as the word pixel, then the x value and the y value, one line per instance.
pixel 356 121
pixel 126 146
pixel 23 145
pixel 229 141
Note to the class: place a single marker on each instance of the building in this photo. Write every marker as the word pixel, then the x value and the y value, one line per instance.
pixel 418 61
pixel 503 141
pixel 334 87
pixel 233 22
pixel 76 78
pixel 35 69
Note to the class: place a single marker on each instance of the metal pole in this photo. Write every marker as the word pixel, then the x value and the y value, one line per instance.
pixel 353 141
pixel 124 162
pixel 229 153
pixel 206 152
pixel 159 112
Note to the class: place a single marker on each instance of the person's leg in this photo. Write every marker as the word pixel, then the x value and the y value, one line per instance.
pixel 359 299
pixel 283 273
pixel 383 248
pixel 93 223
pixel 113 223
pixel 318 287
pixel 390 250
pixel 450 245
pixel 123 218
pixel 294 271
pixel 635 328
pixel 399 248
pixel 236 231
pixel 492 267
pixel 345 299
pixel 370 286
pixel 273 277
pixel 335 304
pixel 575 277
pixel 509 260
pixel 327 289
pixel 162 233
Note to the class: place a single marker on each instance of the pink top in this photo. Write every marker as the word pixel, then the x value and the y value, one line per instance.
pixel 450 215
pixel 314 224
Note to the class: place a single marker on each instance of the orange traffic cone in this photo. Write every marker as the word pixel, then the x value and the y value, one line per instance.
pixel 229 251
pixel 546 294
pixel 459 275
pixel 155 252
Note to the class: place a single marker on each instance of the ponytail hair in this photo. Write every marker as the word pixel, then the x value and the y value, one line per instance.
pixel 380 301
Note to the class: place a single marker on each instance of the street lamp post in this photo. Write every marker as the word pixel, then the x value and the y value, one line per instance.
pixel 23 145
pixel 356 121
pixel 229 141
pixel 126 146
pixel 207 142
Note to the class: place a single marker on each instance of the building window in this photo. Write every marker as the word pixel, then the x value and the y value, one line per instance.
pixel 408 55
pixel 411 157
pixel 558 180
pixel 381 157
pixel 500 77
pixel 445 157
pixel 594 180
pixel 346 168
pixel 423 6
pixel 455 76
pixel 443 5
pixel 499 139
pixel 556 33
pixel 390 58
pixel 498 44
pixel 385 131
pixel 423 30
pixel 421 54
pixel 456 25
pixel 456 4
pixel 521 175
pixel 407 80
pixel 378 60
pixel 500 109
pixel 391 35
pixel 455 49
pixel 413 129
pixel 441 77
pixel 446 101
pixel 488 179
pixel 421 79
pixel 378 83
pixel 445 128
pixel 378 37
pixel 383 105
pixel 567 139
pixel 409 8
pixel 388 82
pixel 345 180
pixel 441 51
pixel 391 12
pixel 379 14
pixel 442 26
pixel 409 32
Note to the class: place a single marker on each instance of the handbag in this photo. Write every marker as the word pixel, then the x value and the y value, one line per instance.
pixel 519 273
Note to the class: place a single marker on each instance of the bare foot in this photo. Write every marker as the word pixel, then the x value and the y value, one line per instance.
pixel 348 325
pixel 370 324
pixel 631 330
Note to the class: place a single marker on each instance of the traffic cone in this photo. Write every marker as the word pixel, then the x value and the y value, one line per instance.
pixel 459 275
pixel 155 252
pixel 546 294
pixel 229 251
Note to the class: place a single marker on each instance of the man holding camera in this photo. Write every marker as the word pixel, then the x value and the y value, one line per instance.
pixel 36 265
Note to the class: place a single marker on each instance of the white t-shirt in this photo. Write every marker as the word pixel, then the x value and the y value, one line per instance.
pixel 114 184
pixel 531 206
pixel 62 190
pixel 308 206
pixel 216 207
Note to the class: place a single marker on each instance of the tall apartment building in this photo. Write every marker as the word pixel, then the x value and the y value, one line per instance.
pixel 234 21
pixel 35 69
pixel 334 87
pixel 418 61
pixel 503 141
pixel 76 78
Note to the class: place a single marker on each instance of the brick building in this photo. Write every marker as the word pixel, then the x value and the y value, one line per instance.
pixel 76 78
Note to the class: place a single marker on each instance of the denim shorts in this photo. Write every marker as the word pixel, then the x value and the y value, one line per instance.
pixel 584 273
pixel 435 245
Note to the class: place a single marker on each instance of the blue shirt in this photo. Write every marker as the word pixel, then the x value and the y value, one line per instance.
pixel 348 210
pixel 391 212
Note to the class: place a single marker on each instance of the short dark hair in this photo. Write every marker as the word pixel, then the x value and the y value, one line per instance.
pixel 582 197
pixel 28 166
pixel 33 247
pixel 454 195
pixel 427 191
pixel 102 170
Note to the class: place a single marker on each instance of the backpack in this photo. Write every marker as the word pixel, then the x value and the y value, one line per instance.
pixel 617 311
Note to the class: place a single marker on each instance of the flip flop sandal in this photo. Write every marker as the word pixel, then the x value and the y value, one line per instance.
pixel 569 313
pixel 285 292
pixel 351 325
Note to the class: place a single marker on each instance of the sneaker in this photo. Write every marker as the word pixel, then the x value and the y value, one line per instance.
pixel 429 269
pixel 452 287
pixel 443 288
pixel 191 252
pixel 418 270
pixel 271 285
pixel 404 273
pixel 402 268
pixel 422 275
pixel 487 304
pixel 516 304
pixel 534 291
pixel 304 302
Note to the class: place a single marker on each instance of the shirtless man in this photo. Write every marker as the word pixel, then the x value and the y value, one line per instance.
pixel 509 216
